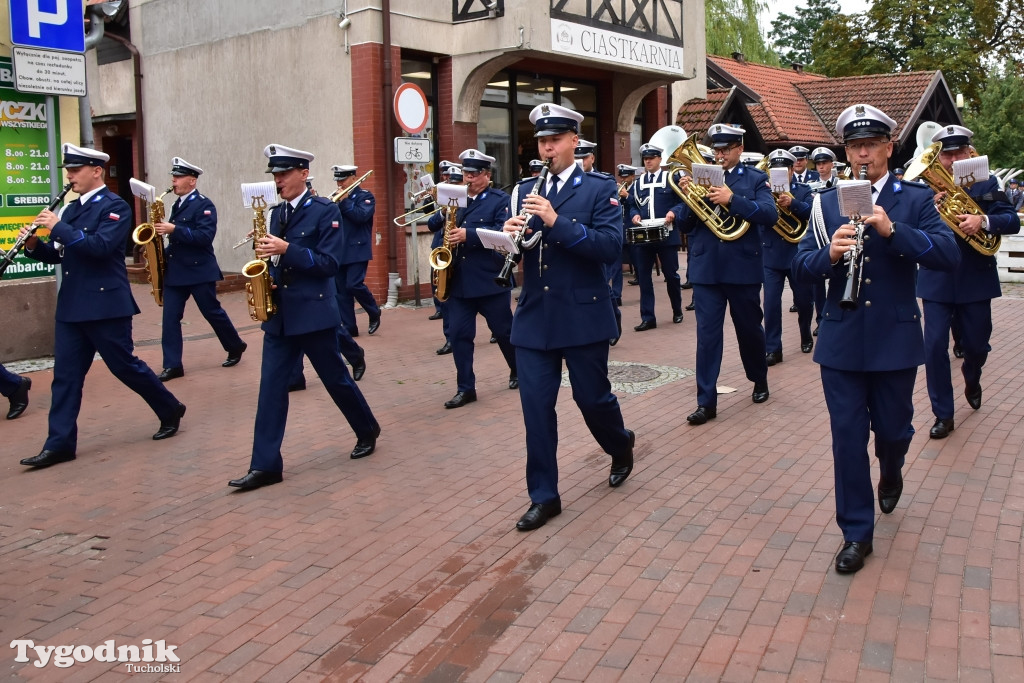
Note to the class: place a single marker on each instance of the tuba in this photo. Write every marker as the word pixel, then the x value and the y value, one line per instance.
pixel 789 226
pixel 955 202
pixel 686 154
pixel 145 235
pixel 441 258
pixel 257 272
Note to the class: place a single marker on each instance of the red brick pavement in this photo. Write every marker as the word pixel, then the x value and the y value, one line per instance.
pixel 713 561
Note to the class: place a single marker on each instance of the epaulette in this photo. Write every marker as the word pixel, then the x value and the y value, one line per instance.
pixel 916 183
pixel 321 200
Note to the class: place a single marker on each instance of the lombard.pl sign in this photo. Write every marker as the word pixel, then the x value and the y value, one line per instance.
pixel 615 48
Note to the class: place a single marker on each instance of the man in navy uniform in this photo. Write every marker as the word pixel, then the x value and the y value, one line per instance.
pixel 651 198
pixel 824 165
pixel 453 176
pixel 964 294
pixel 729 272
pixel 869 354
pixel 472 272
pixel 303 243
pixel 443 173
pixel 94 305
pixel 357 209
pixel 584 155
pixel 535 166
pixel 15 389
pixel 1014 195
pixel 627 176
pixel 801 173
pixel 565 311
pixel 192 270
pixel 778 257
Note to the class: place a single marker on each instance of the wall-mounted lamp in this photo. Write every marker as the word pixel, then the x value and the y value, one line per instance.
pixel 344 23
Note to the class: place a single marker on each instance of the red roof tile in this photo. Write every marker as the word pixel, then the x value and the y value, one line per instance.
pixel 698 114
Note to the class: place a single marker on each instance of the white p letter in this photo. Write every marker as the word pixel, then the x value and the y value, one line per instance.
pixel 36 17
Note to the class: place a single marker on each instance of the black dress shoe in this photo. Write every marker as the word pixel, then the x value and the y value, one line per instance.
pixel 374 325
pixel 807 346
pixel 889 494
pixel 677 317
pixel 460 399
pixel 171 373
pixel 702 415
pixel 169 427
pixel 513 381
pixel 623 465
pixel 941 428
pixel 366 445
pixel 538 515
pixel 973 395
pixel 686 285
pixel 760 394
pixel 851 558
pixel 358 369
pixel 633 282
pixel 773 358
pixel 447 348
pixel 689 306
pixel 646 325
pixel 815 333
pixel 47 458
pixel 298 386
pixel 793 309
pixel 19 401
pixel 234 357
pixel 255 479
pixel 437 316
pixel 958 351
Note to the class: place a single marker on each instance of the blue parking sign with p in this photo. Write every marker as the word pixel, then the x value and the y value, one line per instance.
pixel 48 24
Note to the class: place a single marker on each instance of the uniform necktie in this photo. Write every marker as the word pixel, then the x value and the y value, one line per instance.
pixel 177 204
pixel 554 186
pixel 286 213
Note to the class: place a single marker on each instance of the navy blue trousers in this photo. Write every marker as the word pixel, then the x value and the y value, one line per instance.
pixel 668 256
pixel 352 288
pixel 803 297
pixel 975 329
pixel 280 354
pixel 539 380
pixel 860 403
pixel 744 303
pixel 347 346
pixel 9 382
pixel 205 296
pixel 460 314
pixel 74 348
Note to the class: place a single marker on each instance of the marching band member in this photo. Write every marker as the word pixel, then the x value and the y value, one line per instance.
pixel 357 209
pixel 94 305
pixel 535 166
pixel 453 176
pixel 964 294
pixel 652 198
pixel 627 176
pixel 565 311
pixel 824 165
pixel 192 270
pixel 584 155
pixel 869 354
pixel 303 243
pixel 15 389
pixel 729 272
pixel 473 289
pixel 800 171
pixel 778 259
pixel 443 172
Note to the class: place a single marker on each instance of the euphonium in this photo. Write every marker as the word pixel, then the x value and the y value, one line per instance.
pixel 789 226
pixel 257 272
pixel 686 154
pixel 441 257
pixel 955 202
pixel 152 243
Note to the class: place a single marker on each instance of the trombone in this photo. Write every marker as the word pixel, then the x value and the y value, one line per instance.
pixel 417 213
pixel 340 193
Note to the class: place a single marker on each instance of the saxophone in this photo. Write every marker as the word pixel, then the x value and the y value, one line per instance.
pixel 257 272
pixel 441 258
pixel 145 235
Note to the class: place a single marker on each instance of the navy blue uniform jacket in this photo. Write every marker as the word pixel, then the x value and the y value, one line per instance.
pixel 779 253
pixel 977 278
pixel 884 331
pixel 306 292
pixel 713 261
pixel 569 304
pixel 95 284
pixel 474 266
pixel 190 257
pixel 357 211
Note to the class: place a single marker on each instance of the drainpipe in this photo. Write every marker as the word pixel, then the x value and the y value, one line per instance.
pixel 387 95
pixel 92 39
pixel 140 129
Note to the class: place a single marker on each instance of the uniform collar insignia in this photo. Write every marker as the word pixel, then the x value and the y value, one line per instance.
pixel 482 196
pixel 308 201
pixel 897 187
pixel 577 180
pixel 98 196
pixel 739 169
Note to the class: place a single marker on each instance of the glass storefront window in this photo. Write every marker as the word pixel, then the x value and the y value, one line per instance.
pixel 495 139
pixel 580 97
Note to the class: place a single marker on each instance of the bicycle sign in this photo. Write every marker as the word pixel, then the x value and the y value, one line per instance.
pixel 412 150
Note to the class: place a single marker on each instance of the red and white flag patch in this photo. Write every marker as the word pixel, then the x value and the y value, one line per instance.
pixel 114 217
pixel 614 201
pixel 207 212
pixel 334 224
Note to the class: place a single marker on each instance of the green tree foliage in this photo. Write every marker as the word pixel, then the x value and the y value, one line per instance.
pixel 997 119
pixel 732 26
pixel 794 34
pixel 961 39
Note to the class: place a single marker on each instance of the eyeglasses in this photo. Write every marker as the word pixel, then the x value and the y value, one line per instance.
pixel 471 174
pixel 868 145
pixel 723 150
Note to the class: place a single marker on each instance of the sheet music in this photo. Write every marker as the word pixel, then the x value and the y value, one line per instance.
pixel 855 198
pixel 426 182
pixel 708 175
pixel 499 240
pixel 966 172
pixel 779 179
pixel 266 188
pixel 447 192
pixel 143 191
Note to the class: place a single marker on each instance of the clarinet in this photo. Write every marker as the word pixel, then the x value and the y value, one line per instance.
pixel 855 266
pixel 504 278
pixel 7 259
